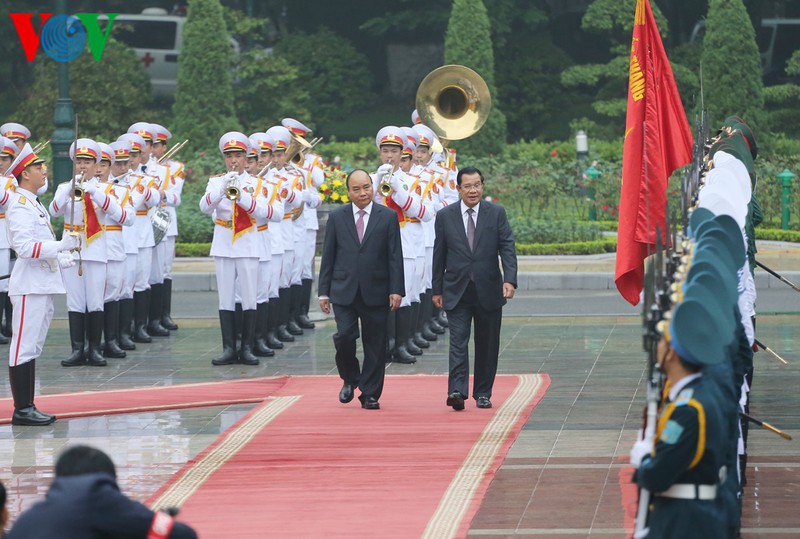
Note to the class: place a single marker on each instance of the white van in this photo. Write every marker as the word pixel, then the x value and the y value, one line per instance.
pixel 157 38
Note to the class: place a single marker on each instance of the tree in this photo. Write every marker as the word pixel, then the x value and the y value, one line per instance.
pixel 732 65
pixel 107 96
pixel 331 70
pixel 204 102
pixel 784 101
pixel 468 42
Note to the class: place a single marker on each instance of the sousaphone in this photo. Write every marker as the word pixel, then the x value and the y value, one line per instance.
pixel 454 101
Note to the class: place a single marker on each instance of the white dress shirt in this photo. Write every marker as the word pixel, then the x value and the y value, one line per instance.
pixel 465 215
pixel 367 211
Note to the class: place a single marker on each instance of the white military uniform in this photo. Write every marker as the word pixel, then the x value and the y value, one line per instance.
pixel 9 185
pixel 36 276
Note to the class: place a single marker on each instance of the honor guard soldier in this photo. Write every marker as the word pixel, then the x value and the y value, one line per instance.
pixel 155 280
pixel 315 169
pixel 401 193
pixel 415 119
pixel 144 185
pixel 170 200
pixel 8 184
pixel 115 243
pixel 232 199
pixel 292 230
pixel 36 277
pixel 86 208
pixel 269 193
pixel 124 177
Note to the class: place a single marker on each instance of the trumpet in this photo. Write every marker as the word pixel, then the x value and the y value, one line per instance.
pixel 232 191
pixel 385 187
pixel 78 191
pixel 265 169
pixel 172 151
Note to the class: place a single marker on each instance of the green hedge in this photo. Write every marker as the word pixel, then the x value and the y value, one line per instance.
pixel 192 249
pixel 776 234
pixel 608 245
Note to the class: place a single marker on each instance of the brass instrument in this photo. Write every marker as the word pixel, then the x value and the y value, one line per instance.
pixel 232 191
pixel 172 151
pixel 264 170
pixel 454 101
pixel 78 191
pixel 385 187
pixel 295 153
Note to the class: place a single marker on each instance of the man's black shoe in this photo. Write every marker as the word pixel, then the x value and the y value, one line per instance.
pixel 370 403
pixel 484 402
pixel 31 416
pixel 456 400
pixel 346 394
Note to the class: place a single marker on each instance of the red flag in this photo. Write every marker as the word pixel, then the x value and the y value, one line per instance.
pixel 657 141
pixel 91 223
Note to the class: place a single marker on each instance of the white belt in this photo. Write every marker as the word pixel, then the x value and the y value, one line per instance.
pixel 690 492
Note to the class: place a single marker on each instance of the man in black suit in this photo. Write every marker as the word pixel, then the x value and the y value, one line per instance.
pixel 361 274
pixel 467 283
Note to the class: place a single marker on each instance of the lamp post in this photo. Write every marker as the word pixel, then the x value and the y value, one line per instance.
pixel 582 153
pixel 786 178
pixel 63 118
pixel 592 173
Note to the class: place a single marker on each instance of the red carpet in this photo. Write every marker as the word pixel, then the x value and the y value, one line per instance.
pixel 148 399
pixel 303 465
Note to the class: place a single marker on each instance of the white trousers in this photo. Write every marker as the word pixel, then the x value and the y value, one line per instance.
pixel 5 268
pixel 311 251
pixel 157 266
pixel 287 263
pixel 427 276
pixel 264 278
pixel 129 276
pixel 85 292
pixel 30 322
pixel 296 276
pixel 115 278
pixel 233 273
pixel 275 275
pixel 169 255
pixel 143 263
pixel 412 273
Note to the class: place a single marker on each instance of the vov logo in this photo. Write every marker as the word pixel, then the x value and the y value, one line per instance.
pixel 63 37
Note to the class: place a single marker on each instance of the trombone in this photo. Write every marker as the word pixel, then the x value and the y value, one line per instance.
pixel 172 151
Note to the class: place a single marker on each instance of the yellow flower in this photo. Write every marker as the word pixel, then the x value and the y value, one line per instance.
pixel 323 187
pixel 334 196
pixel 345 199
pixel 337 183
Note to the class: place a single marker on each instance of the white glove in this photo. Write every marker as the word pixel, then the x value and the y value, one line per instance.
pixel 397 182
pixel 640 449
pixel 385 169
pixel 69 242
pixel 65 260
pixel 91 188
pixel 307 195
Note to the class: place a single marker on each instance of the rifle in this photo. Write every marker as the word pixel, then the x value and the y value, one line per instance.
pixel 778 276
pixel 652 314
pixel 766 426
pixel 770 350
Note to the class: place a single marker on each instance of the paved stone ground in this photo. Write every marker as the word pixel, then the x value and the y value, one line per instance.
pixel 561 477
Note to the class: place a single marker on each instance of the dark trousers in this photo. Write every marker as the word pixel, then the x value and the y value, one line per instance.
pixel 373 328
pixel 487 345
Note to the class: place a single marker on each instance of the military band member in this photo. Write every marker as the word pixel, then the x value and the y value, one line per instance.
pixel 8 151
pixel 115 243
pixel 315 169
pixel 170 199
pixel 232 200
pixel 85 212
pixel 123 171
pixel 36 277
pixel 404 197
pixel 144 185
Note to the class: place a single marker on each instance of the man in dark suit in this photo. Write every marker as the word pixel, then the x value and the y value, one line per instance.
pixel 361 274
pixel 467 283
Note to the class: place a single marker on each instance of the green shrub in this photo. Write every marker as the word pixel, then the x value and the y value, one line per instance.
pixel 351 155
pixel 773 234
pixel 192 249
pixel 527 230
pixel 577 248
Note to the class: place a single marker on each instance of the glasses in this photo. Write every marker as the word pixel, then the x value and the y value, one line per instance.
pixel 473 187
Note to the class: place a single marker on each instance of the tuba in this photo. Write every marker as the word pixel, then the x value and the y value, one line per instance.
pixel 297 149
pixel 454 101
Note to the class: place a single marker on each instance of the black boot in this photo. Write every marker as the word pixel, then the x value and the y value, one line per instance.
pixel 260 347
pixel 227 323
pixel 285 306
pixel 295 297
pixel 3 299
pixel 166 307
pixel 238 319
pixel 246 355
pixel 154 327
pixel 94 332
pixel 77 332
pixel 411 347
pixel 141 305
pixel 125 324
pixel 391 329
pixel 23 379
pixel 441 319
pixel 416 326
pixel 305 302
pixel 272 324
pixel 401 352
pixel 111 329
pixel 8 309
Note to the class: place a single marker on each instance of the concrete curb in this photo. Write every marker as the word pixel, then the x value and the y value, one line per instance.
pixel 207 282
